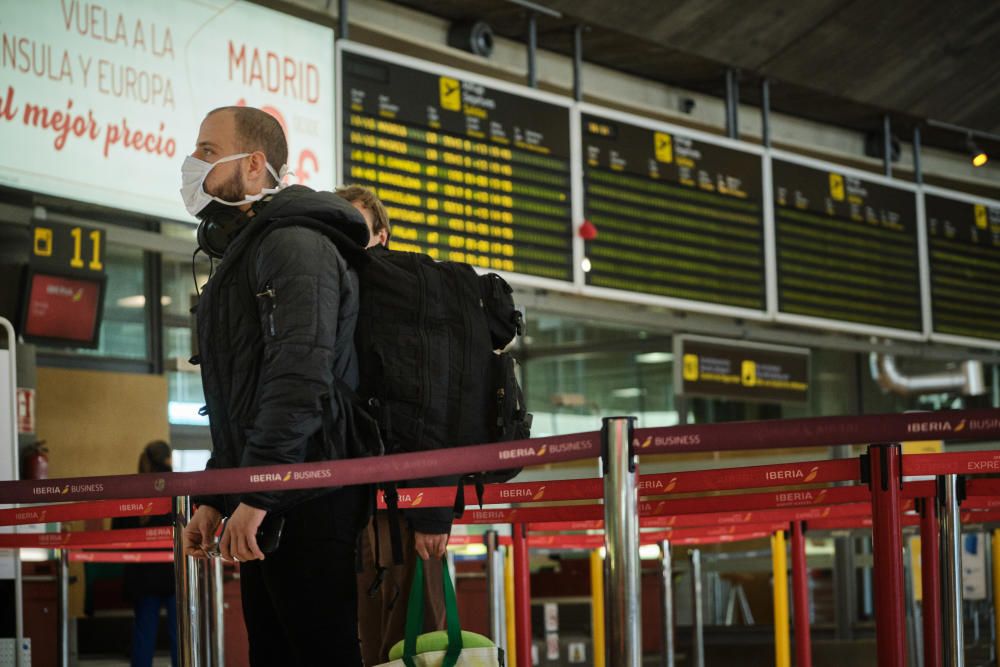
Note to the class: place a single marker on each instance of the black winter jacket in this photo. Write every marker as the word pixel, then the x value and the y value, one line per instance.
pixel 269 350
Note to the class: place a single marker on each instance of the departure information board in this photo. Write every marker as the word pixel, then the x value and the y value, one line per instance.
pixel 467 172
pixel 675 216
pixel 963 243
pixel 847 248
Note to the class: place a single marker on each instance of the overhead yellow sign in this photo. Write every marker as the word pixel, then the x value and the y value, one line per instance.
pixel 451 93
pixel 837 187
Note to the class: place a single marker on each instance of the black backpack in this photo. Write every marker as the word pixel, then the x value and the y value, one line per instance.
pixel 429 340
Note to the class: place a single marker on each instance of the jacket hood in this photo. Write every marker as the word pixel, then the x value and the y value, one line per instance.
pixel 326 207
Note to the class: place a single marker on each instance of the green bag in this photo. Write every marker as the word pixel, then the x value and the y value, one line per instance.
pixel 451 648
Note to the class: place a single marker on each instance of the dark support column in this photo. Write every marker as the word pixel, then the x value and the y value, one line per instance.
pixel 887 144
pixel 765 113
pixel 578 63
pixel 532 50
pixel 886 483
pixel 342 28
pixel 732 104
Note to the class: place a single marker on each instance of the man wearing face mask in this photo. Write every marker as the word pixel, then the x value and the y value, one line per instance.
pixel 276 324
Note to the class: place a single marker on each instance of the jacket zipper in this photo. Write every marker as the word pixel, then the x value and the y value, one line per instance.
pixel 270 295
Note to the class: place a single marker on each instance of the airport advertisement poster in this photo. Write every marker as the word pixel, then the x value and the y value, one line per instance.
pixel 101 102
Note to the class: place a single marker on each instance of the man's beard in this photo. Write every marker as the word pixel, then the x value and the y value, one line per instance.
pixel 233 189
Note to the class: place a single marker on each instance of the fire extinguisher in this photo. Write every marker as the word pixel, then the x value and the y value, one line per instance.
pixel 35 461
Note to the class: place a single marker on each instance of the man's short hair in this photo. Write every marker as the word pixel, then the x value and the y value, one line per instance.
pixel 368 199
pixel 258 130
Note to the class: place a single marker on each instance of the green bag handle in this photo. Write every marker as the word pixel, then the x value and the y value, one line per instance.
pixel 415 617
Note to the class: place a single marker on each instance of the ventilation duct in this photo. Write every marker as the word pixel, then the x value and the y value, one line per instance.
pixel 966 380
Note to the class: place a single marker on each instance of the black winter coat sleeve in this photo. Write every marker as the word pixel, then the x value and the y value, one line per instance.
pixel 432 520
pixel 298 285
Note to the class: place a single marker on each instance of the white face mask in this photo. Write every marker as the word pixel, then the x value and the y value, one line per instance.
pixel 195 171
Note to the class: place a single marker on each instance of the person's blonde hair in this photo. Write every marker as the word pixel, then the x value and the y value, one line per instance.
pixel 368 199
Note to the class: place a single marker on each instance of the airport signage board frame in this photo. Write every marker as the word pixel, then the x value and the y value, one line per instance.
pixel 666 301
pixel 965 198
pixel 514 278
pixel 844 326
pixel 741 370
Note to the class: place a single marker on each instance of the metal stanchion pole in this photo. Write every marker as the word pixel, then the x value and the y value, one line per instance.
pixel 951 578
pixel 697 612
pixel 930 581
pixel 668 605
pixel 800 597
pixel 886 483
pixel 622 591
pixel 214 614
pixel 494 585
pixel 522 594
pixel 186 583
pixel 63 608
pixel 779 565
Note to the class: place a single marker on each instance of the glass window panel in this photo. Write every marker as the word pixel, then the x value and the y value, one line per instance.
pixel 124 329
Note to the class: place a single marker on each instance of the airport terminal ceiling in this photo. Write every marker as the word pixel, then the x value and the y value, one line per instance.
pixel 843 63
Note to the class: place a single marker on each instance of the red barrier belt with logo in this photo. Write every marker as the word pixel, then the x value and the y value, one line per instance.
pixel 309 475
pixel 983 516
pixel 821 431
pixel 121 557
pixel 981 503
pixel 721 479
pixel 722 518
pixel 99 509
pixel 959 463
pixel 140 538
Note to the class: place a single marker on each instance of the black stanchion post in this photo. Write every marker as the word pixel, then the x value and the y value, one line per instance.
pixel 622 590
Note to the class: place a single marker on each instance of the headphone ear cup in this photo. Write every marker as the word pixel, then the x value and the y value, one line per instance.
pixel 212 238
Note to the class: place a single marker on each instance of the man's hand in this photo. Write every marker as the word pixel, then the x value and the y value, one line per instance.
pixel 430 545
pixel 199 533
pixel 239 539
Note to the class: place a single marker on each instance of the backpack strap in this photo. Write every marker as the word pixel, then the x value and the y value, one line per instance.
pixel 391 496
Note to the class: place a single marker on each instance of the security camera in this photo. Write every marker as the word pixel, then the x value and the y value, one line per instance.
pixel 686 104
pixel 472 36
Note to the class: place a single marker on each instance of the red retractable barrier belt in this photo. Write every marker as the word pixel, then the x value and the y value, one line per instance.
pixel 960 463
pixel 850 523
pixel 721 518
pixel 99 509
pixel 981 517
pixel 393 467
pixel 981 503
pixel 820 431
pixel 721 539
pixel 121 557
pixel 757 501
pixel 135 537
pixel 464 540
pixel 694 481
pixel 982 486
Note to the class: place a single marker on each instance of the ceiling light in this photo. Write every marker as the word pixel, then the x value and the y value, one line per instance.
pixel 654 357
pixel 585 265
pixel 627 392
pixel 978 155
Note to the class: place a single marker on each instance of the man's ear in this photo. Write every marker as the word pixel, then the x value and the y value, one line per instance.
pixel 258 177
pixel 383 238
